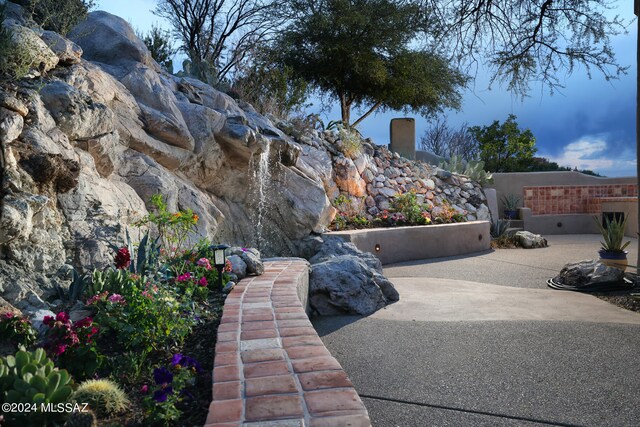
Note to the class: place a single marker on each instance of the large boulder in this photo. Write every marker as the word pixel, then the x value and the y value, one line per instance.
pixel 76 113
pixel 111 40
pixel 67 51
pixel 587 273
pixel 345 280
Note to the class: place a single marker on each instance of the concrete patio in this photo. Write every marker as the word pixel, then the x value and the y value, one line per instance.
pixel 481 341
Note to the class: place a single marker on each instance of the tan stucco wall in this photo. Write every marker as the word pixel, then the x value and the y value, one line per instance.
pixel 430 241
pixel 630 209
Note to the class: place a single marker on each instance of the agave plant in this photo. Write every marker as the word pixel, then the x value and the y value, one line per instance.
pixel 499 228
pixel 613 233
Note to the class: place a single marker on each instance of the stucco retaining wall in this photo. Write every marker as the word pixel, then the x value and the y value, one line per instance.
pixel 271 368
pixel 399 244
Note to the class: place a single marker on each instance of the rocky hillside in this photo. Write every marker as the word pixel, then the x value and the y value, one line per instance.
pixel 99 127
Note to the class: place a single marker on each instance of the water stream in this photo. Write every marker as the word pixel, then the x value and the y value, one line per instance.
pixel 261 178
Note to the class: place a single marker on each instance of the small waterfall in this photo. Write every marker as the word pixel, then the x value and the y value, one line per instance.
pixel 261 177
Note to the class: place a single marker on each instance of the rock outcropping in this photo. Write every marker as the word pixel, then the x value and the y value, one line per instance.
pixel 85 147
pixel 345 280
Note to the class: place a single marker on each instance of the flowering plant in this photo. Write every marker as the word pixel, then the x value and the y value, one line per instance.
pixel 71 344
pixel 171 386
pixel 122 259
pixel 172 228
pixel 17 330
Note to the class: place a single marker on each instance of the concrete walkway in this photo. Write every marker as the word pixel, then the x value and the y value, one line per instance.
pixel 481 341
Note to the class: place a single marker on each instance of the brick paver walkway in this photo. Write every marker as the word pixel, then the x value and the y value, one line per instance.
pixel 271 368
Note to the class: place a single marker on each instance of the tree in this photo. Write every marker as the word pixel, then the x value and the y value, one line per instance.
pixel 532 40
pixel 271 89
pixel 217 34
pixel 505 147
pixel 159 44
pixel 445 141
pixel 361 52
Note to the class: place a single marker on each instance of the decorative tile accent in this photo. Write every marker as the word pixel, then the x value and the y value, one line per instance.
pixel 575 199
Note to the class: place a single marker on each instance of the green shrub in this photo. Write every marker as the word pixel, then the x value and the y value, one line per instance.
pixel 407 204
pixel 16 59
pixel 31 378
pixel 104 397
pixel 58 15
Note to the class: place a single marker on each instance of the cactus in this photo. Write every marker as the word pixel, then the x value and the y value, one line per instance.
pixel 31 378
pixel 81 419
pixel 103 396
pixel 474 169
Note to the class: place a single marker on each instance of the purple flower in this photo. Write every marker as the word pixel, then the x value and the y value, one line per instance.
pixel 184 362
pixel 162 376
pixel 161 395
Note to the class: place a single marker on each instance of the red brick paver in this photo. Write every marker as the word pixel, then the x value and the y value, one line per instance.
pixel 271 368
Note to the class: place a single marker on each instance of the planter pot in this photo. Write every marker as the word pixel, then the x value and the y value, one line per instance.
pixel 614 259
pixel 511 214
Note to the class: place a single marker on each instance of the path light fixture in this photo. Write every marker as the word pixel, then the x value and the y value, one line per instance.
pixel 219 260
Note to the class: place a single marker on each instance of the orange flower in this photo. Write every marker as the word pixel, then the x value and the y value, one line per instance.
pixel 195 218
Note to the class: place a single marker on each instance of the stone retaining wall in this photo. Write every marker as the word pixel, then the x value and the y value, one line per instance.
pixel 271 368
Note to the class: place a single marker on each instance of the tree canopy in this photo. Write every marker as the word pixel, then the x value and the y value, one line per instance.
pixel 217 34
pixel 504 147
pixel 528 40
pixel 362 53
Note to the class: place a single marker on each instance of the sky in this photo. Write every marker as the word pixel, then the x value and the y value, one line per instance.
pixel 590 124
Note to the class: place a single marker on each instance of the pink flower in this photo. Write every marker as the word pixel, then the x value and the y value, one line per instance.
pixel 62 317
pixel 184 277
pixel 59 349
pixel 116 299
pixel 204 262
pixel 97 297
pixel 144 389
pixel 203 281
pixel 8 315
pixel 147 294
pixel 48 320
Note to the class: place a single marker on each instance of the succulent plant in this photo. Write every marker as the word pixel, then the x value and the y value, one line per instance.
pixel 104 397
pixel 31 378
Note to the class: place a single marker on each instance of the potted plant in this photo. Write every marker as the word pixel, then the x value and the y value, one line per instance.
pixel 613 252
pixel 510 203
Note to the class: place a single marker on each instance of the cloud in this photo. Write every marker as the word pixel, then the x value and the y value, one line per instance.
pixel 596 154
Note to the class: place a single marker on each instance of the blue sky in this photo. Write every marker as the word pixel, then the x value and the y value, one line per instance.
pixel 589 124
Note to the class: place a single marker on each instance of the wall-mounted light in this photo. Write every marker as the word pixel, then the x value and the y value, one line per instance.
pixel 377 247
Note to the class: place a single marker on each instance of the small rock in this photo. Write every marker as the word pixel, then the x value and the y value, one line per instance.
pixel 229 287
pixel 529 240
pixel 238 266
